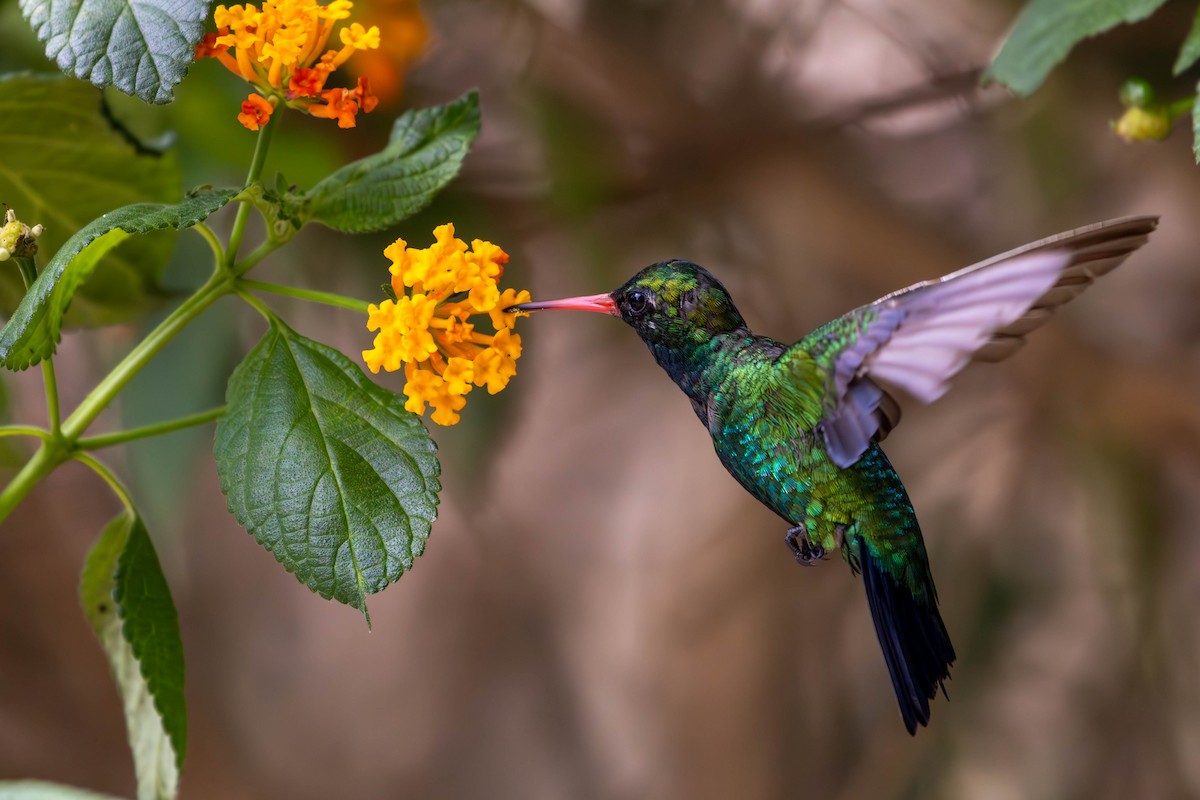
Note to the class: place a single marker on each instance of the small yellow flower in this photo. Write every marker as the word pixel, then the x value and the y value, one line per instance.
pixel 458 375
pixel 425 330
pixel 280 50
pixel 360 38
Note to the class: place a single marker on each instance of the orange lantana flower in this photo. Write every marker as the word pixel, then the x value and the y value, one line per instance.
pixel 425 329
pixel 280 49
pixel 256 111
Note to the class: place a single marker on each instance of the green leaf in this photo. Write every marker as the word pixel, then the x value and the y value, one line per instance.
pixel 326 469
pixel 36 325
pixel 1190 51
pixel 1196 126
pixel 424 153
pixel 44 790
pixel 1046 31
pixel 126 599
pixel 64 164
pixel 142 47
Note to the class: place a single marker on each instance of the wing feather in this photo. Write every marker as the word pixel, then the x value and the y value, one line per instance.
pixel 915 340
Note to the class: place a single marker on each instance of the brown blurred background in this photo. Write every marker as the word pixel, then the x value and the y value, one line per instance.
pixel 601 611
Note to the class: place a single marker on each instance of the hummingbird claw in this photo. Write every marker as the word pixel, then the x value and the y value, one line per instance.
pixel 805 552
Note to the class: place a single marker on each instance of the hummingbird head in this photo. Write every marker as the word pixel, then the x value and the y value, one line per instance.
pixel 673 305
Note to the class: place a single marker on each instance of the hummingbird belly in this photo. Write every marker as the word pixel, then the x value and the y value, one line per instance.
pixel 794 477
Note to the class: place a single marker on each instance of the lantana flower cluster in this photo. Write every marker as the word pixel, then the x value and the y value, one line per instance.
pixel 426 330
pixel 280 49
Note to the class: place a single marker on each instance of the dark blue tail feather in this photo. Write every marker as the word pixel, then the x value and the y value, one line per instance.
pixel 915 643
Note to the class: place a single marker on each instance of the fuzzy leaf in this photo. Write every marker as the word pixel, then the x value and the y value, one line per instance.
pixel 424 153
pixel 1046 30
pixel 142 47
pixel 65 164
pixel 36 326
pixel 126 599
pixel 327 470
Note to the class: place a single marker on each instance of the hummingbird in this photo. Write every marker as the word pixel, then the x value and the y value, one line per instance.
pixel 799 426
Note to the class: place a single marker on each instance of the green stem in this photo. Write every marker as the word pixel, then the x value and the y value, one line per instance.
pixel 328 298
pixel 104 472
pixel 243 214
pixel 24 430
pixel 29 274
pixel 99 398
pixel 51 382
pixel 63 441
pixel 213 242
pixel 146 431
pixel 28 270
pixel 1180 108
pixel 47 457
pixel 249 262
pixel 259 306
pixel 60 448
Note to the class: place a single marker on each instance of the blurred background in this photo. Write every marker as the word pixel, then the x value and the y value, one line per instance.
pixel 601 611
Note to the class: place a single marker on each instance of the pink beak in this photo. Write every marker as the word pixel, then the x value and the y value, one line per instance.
pixel 596 302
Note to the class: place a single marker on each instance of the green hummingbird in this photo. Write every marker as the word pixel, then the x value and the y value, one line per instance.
pixel 799 425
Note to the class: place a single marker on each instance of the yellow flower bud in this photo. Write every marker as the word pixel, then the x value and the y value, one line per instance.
pixel 1143 124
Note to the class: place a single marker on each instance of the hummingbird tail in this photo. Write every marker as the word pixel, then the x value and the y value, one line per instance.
pixel 915 643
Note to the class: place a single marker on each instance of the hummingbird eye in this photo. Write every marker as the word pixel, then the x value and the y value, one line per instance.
pixel 637 302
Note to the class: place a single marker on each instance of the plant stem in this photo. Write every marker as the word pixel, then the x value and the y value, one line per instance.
pixel 145 432
pixel 259 306
pixel 28 270
pixel 52 409
pixel 213 242
pixel 61 447
pixel 328 298
pixel 47 457
pixel 63 441
pixel 217 286
pixel 24 430
pixel 249 262
pixel 104 472
pixel 29 275
pixel 243 214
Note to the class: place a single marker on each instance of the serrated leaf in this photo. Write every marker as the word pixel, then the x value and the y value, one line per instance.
pixel 65 164
pixel 128 603
pixel 1190 51
pixel 425 151
pixel 142 47
pixel 44 790
pixel 327 470
pixel 36 325
pixel 1046 30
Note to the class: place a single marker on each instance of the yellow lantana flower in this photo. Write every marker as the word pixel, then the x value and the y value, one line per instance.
pixel 280 50
pixel 425 329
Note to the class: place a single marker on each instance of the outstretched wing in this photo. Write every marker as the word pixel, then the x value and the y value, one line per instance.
pixel 916 339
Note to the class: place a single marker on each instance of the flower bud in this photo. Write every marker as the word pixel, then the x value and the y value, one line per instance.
pixel 1143 124
pixel 17 238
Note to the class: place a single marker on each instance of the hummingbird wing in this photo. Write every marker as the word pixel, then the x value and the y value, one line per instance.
pixel 916 339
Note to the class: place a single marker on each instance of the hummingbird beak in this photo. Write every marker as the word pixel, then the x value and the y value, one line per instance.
pixel 603 303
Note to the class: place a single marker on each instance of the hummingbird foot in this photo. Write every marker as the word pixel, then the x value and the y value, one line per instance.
pixel 805 552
